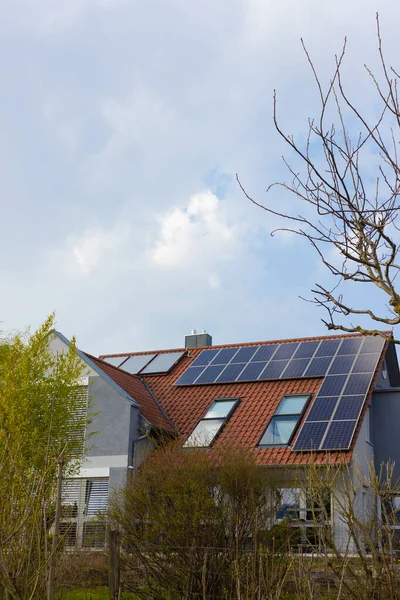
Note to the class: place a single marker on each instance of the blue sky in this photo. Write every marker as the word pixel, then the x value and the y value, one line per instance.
pixel 123 124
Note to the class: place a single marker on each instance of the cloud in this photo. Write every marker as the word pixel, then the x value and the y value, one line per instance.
pixel 86 252
pixel 194 234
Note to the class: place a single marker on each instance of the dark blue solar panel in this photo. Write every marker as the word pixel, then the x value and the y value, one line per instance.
pixel 285 351
pixel 210 374
pixel 310 436
pixel 365 363
pixel 264 353
pixel 350 345
pixel 244 354
pixel 204 358
pixel 251 371
pixel 373 344
pixel 224 356
pixel 306 350
pixel 318 367
pixel 327 348
pixel 189 376
pixel 349 407
pixel 322 408
pixel 295 368
pixel 339 435
pixel 341 365
pixel 273 370
pixel 332 385
pixel 358 384
pixel 230 373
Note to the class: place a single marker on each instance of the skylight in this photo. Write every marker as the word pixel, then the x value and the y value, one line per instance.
pixel 283 424
pixel 211 424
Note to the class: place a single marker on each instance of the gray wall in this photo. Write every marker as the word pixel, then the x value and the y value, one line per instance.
pixel 386 428
pixel 114 427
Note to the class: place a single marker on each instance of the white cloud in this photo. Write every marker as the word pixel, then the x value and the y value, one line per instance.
pixel 86 252
pixel 198 233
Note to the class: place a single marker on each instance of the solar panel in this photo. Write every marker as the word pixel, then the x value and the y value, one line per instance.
pixel 332 385
pixel 264 353
pixel 224 356
pixel 310 436
pixel 285 351
pixel 306 349
pixel 358 384
pixel 373 344
pixel 365 363
pixel 322 409
pixel 350 345
pixel 295 368
pixel 328 348
pixel 318 367
pixel 204 358
pixel 230 373
pixel 339 435
pixel 162 363
pixel 341 365
pixel 210 374
pixel 251 371
pixel 134 364
pixel 273 370
pixel 190 375
pixel 349 407
pixel 244 354
pixel 115 360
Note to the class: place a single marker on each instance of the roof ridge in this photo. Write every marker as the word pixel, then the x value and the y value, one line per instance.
pixel 234 344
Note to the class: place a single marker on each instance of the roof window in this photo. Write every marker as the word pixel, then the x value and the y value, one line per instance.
pixel 211 424
pixel 282 426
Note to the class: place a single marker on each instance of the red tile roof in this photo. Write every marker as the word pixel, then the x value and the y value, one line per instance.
pixel 186 405
pixel 137 391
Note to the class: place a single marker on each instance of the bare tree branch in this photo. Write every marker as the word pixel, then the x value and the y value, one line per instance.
pixel 350 214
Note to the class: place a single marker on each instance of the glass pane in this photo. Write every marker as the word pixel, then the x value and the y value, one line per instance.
pixel 220 409
pixel 279 431
pixel 204 433
pixel 292 405
pixel 96 496
pixel 289 503
pixel 162 363
pixel 115 360
pixel 135 363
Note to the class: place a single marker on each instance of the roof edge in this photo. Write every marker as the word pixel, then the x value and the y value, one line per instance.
pixel 86 358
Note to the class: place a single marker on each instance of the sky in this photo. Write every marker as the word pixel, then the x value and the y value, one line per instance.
pixel 123 125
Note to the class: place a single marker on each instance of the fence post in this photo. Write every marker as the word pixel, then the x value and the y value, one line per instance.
pixel 114 564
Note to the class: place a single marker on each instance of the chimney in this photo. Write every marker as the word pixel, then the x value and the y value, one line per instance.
pixel 194 339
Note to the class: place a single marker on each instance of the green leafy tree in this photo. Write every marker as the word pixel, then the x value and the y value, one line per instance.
pixel 43 416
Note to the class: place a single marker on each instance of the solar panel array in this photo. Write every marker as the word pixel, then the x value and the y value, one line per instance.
pixel 146 364
pixel 347 365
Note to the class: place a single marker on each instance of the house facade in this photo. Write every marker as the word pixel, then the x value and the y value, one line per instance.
pixel 326 401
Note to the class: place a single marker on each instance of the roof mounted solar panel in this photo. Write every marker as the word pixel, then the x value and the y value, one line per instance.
pixel 116 361
pixel 342 397
pixel 136 363
pixel 162 363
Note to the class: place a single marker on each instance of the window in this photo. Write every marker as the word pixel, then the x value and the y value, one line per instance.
pixel 308 514
pixel 283 424
pixel 211 424
pixel 82 501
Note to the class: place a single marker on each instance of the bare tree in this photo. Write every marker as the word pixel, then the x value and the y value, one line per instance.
pixel 349 217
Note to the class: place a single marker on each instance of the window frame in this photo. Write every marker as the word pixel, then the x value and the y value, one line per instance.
pixel 277 416
pixel 236 403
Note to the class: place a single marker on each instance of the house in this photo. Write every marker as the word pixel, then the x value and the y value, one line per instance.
pixel 333 400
